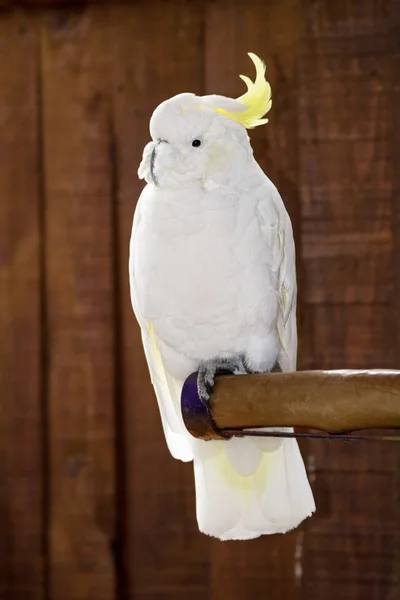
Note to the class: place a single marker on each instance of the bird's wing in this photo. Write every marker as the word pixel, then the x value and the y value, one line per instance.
pixel 166 387
pixel 277 229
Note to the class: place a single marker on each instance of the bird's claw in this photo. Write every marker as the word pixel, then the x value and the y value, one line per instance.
pixel 207 371
pixel 276 368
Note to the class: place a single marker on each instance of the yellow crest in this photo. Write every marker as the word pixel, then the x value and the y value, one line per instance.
pixel 257 98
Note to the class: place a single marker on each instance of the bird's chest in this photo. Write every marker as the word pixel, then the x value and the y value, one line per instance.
pixel 201 267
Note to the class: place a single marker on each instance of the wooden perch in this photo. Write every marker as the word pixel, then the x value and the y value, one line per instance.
pixel 331 401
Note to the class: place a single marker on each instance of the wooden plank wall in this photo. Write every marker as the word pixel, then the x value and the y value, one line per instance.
pixel 91 504
pixel 22 480
pixel 346 79
pixel 80 305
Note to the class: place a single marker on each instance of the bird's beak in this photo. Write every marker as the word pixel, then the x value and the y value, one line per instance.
pixel 153 165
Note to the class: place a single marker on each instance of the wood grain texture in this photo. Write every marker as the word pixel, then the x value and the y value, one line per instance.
pixel 353 400
pixel 79 262
pixel 347 336
pixel 334 254
pixel 346 179
pixel 21 476
pixel 345 149
pixel 272 30
pixel 165 555
pixel 395 167
pixel 9 4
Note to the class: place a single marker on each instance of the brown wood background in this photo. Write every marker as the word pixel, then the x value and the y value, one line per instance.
pixel 92 507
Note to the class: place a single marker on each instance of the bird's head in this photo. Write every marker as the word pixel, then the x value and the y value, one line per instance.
pixel 204 138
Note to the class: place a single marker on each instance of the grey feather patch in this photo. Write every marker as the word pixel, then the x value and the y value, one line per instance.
pixel 153 166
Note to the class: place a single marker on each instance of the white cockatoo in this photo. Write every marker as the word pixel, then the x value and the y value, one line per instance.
pixel 213 287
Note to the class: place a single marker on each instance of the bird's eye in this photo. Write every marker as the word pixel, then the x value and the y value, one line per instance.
pixel 196 143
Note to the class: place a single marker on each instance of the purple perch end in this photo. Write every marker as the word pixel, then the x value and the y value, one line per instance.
pixel 196 416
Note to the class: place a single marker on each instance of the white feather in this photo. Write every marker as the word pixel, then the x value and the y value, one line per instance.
pixel 168 393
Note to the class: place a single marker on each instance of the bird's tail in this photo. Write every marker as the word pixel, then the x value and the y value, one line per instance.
pixel 249 487
pixel 245 487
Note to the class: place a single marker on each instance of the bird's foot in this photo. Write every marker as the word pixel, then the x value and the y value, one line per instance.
pixel 275 369
pixel 208 369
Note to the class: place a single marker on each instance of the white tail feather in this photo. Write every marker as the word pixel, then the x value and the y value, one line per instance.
pixel 275 498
